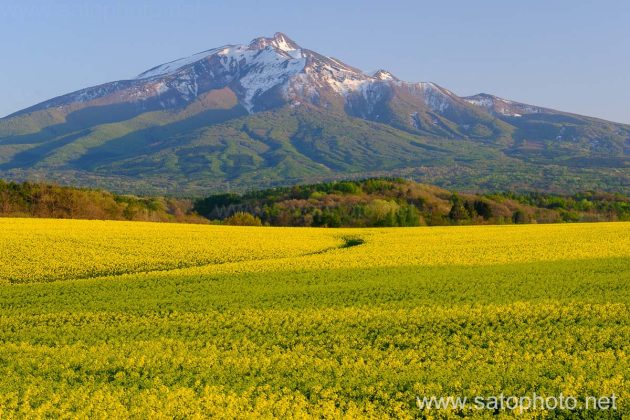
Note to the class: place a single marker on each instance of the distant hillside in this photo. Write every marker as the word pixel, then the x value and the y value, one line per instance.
pixel 397 202
pixel 272 113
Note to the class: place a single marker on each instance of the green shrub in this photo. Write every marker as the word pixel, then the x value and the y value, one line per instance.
pixel 243 219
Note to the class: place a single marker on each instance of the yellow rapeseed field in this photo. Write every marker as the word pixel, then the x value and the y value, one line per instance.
pixel 44 249
pixel 146 320
pixel 34 250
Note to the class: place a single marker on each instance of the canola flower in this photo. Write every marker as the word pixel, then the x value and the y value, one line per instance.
pixel 34 250
pixel 143 320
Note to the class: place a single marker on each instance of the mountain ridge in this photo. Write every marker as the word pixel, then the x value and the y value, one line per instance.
pixel 188 121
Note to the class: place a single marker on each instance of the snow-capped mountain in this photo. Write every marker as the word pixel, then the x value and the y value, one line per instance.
pixel 252 71
pixel 197 119
pixel 269 72
pixel 258 72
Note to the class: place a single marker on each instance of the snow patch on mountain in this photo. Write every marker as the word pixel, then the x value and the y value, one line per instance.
pixel 174 66
pixel 497 105
pixel 481 101
pixel 437 99
pixel 284 43
pixel 384 75
pixel 336 75
pixel 262 71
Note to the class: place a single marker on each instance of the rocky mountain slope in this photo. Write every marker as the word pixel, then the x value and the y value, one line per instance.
pixel 274 113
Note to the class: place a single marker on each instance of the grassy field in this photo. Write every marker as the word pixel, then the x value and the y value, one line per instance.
pixel 118 319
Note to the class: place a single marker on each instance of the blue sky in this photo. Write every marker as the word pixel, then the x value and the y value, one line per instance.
pixel 568 55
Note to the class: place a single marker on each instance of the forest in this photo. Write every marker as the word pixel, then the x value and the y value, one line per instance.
pixel 53 201
pixel 397 202
pixel 374 202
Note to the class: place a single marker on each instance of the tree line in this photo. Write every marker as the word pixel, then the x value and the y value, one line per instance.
pixel 375 202
pixel 52 201
pixel 390 202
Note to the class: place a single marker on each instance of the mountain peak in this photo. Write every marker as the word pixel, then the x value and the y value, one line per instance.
pixel 278 40
pixel 482 95
pixel 384 75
